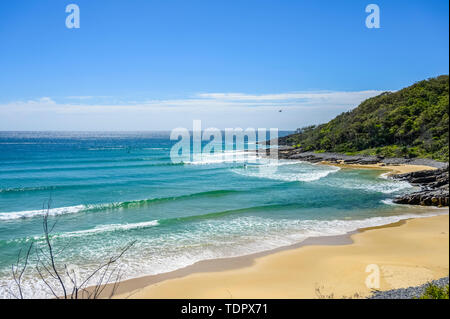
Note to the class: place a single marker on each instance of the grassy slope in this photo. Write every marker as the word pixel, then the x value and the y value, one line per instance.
pixel 411 122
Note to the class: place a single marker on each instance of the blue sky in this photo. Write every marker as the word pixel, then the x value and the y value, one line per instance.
pixel 152 65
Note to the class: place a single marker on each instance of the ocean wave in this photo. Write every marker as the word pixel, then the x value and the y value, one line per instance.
pixel 106 148
pixel 225 157
pixel 385 187
pixel 109 206
pixel 84 160
pixel 108 228
pixel 87 183
pixel 388 201
pixel 384 175
pixel 297 174
pixel 42 212
pixel 26 189
pixel 85 168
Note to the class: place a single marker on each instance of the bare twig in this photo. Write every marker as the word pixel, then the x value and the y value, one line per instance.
pixel 18 270
pixel 54 277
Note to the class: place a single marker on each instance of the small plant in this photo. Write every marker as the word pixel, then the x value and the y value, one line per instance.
pixel 435 292
pixel 321 295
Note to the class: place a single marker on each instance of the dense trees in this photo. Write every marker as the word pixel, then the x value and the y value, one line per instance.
pixel 411 122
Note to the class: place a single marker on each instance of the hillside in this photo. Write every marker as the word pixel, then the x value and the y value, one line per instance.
pixel 412 122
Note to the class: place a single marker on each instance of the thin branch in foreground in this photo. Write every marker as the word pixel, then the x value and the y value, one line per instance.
pixel 61 278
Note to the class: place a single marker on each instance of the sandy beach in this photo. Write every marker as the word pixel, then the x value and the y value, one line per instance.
pixel 393 169
pixel 404 254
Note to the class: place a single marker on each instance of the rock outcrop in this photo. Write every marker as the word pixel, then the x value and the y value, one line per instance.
pixel 434 188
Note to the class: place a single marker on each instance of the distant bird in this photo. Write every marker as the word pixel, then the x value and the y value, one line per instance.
pixel 280 111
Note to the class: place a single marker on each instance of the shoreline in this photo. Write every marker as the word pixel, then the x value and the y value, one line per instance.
pixel 129 288
pixel 196 280
pixel 291 153
pixel 393 169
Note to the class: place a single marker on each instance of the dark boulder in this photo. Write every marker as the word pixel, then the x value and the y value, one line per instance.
pixel 434 184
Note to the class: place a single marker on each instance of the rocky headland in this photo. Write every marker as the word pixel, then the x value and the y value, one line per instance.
pixel 434 184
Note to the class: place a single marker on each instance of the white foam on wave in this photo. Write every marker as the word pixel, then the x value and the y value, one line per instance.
pixel 238 156
pixel 96 230
pixel 106 148
pixel 293 173
pixel 384 175
pixel 388 201
pixel 42 212
pixel 57 211
pixel 382 184
pixel 109 228
pixel 387 187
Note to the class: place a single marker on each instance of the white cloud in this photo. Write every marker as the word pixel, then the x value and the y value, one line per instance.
pixel 299 99
pixel 290 96
pixel 40 101
pixel 80 97
pixel 209 100
pixel 219 109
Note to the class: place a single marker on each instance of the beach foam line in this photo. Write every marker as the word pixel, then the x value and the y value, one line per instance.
pixel 299 229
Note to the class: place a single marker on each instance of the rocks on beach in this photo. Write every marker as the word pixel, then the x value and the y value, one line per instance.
pixel 434 188
pixel 287 152
pixel 408 293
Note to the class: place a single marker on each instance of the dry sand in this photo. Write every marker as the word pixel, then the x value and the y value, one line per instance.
pixel 406 254
pixel 394 169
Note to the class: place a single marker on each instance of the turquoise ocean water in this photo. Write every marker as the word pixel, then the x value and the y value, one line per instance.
pixel 107 189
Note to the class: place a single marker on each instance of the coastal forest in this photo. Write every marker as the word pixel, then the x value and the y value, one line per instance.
pixel 412 122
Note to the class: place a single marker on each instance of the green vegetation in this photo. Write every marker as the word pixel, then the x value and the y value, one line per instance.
pixel 412 122
pixel 435 292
